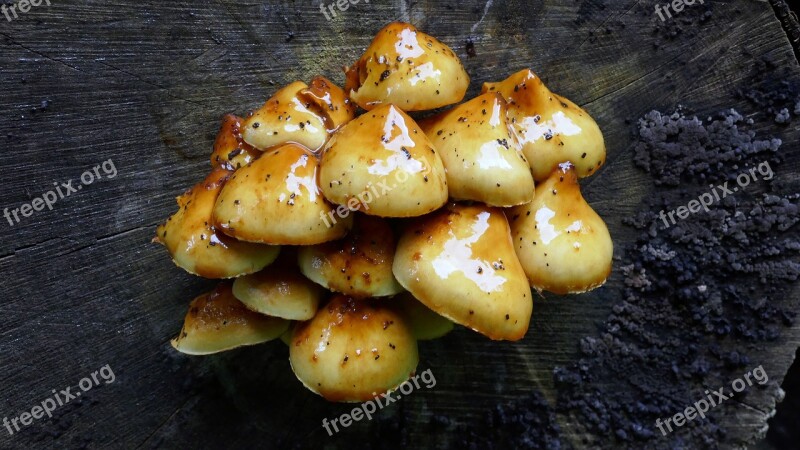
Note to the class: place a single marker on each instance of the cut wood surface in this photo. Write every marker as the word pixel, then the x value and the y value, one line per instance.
pixel 145 85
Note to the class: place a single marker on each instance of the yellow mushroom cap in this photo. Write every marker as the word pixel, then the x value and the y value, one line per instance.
pixel 285 118
pixel 382 164
pixel 230 150
pixel 276 200
pixel 360 265
pixel 279 292
pixel 352 350
pixel 198 247
pixel 216 322
pixel 563 245
pixel 409 68
pixel 330 103
pixel 460 262
pixel 483 159
pixel 551 129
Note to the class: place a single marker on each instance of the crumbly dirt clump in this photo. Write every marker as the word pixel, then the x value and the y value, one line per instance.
pixel 697 294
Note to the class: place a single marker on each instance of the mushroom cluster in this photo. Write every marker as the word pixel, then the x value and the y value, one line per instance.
pixel 352 237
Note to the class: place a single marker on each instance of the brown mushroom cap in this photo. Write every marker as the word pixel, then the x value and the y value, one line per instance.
pixel 460 262
pixel 550 128
pixel 216 322
pixel 563 245
pixel 198 247
pixel 352 350
pixel 409 68
pixel 382 164
pixel 276 200
pixel 360 265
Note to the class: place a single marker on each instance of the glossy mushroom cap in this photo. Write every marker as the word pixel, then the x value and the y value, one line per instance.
pixel 550 128
pixel 216 322
pixel 230 150
pixel 329 102
pixel 409 68
pixel 279 292
pixel 360 265
pixel 382 164
pixel 352 350
pixel 198 247
pixel 285 118
pixel 563 245
pixel 482 157
pixel 460 262
pixel 276 200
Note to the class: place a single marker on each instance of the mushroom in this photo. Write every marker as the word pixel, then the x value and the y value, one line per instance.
pixel 425 324
pixel 276 200
pixel 198 247
pixel 286 337
pixel 360 265
pixel 550 128
pixel 353 350
pixel 382 164
pixel 285 117
pixel 460 262
pixel 216 322
pixel 564 246
pixel 279 292
pixel 409 68
pixel 329 102
pixel 230 151
pixel 483 159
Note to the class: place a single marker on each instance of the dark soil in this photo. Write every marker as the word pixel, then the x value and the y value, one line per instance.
pixel 680 287
pixel 683 325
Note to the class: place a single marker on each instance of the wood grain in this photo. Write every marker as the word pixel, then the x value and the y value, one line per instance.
pixel 145 84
